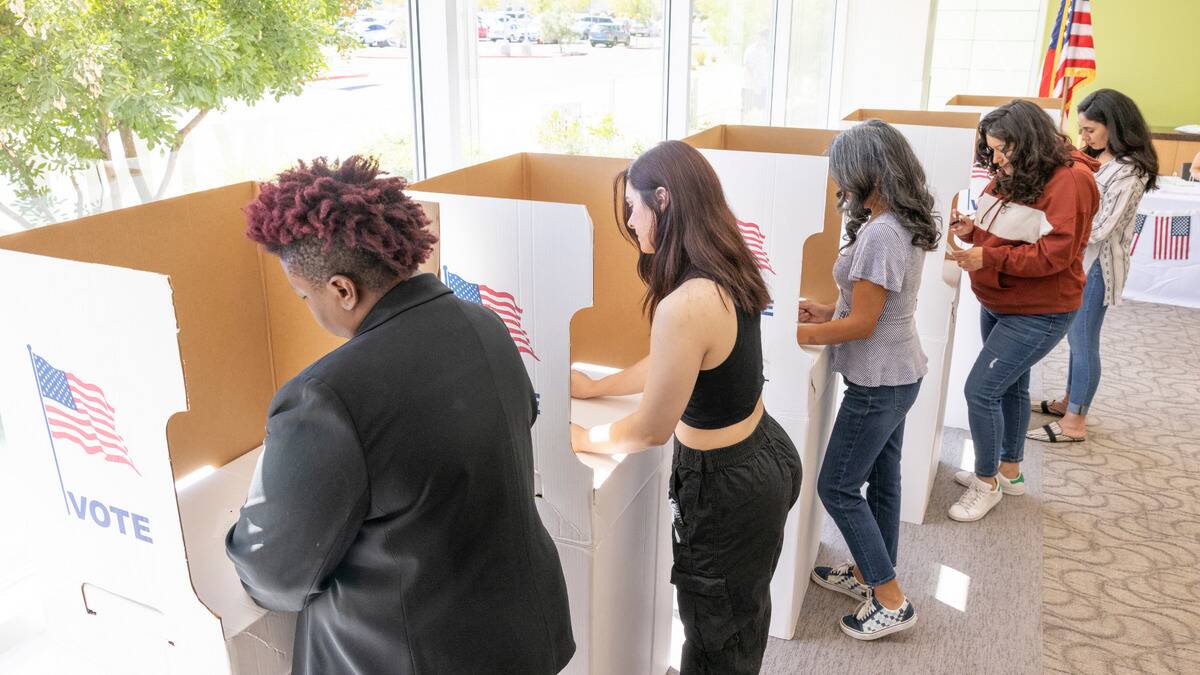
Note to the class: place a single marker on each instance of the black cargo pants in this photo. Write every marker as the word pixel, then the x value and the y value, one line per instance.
pixel 729 507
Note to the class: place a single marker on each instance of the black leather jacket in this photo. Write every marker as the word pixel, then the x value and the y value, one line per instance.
pixel 393 506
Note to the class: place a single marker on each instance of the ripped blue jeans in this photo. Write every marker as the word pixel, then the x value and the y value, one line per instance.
pixel 997 389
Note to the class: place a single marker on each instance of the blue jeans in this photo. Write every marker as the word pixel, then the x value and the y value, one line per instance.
pixel 1083 376
pixel 998 387
pixel 865 448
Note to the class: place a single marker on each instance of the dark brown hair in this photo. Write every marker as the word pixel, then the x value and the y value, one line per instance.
pixel 1035 149
pixel 695 236
pixel 1129 138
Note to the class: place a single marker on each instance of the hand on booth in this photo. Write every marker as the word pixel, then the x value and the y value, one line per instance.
pixel 582 386
pixel 970 259
pixel 814 312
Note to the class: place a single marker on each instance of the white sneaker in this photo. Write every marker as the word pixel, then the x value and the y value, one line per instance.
pixel 976 501
pixel 1012 487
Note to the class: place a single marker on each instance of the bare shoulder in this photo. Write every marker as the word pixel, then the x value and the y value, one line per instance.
pixel 695 300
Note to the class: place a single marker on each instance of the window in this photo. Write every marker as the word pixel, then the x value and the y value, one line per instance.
pixel 810 63
pixel 556 78
pixel 731 64
pixel 238 93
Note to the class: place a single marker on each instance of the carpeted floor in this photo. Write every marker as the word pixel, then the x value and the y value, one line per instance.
pixel 1095 570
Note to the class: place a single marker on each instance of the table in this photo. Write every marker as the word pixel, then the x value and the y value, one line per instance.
pixel 1174 278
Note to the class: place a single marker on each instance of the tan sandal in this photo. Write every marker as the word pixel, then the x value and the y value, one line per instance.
pixel 1053 433
pixel 1044 408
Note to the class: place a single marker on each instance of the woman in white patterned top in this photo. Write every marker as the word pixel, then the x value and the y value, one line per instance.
pixel 1115 133
pixel 890 226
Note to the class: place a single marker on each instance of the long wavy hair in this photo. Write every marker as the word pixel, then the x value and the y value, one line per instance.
pixel 875 159
pixel 1035 150
pixel 695 234
pixel 1128 134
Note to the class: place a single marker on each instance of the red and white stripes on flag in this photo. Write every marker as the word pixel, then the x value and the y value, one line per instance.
pixel 1072 52
pixel 78 412
pixel 1172 237
pixel 756 241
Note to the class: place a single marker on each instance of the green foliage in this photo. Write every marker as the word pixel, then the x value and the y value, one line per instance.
pixel 645 11
pixel 73 71
pixel 543 6
pixel 570 134
pixel 556 26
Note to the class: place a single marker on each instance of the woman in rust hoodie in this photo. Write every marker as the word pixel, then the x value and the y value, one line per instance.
pixel 1031 227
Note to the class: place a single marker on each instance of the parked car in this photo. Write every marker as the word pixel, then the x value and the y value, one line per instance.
pixel 608 33
pixel 530 31
pixel 376 35
pixel 583 24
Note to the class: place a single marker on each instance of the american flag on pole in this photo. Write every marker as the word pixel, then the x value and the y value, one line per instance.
pixel 756 242
pixel 1172 237
pixel 1071 55
pixel 503 304
pixel 1139 222
pixel 78 411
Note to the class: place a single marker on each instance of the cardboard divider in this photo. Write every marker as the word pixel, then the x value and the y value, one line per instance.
pixel 199 242
pixel 617 291
pixel 542 230
pixel 991 102
pixel 944 142
pixel 777 182
pixel 183 324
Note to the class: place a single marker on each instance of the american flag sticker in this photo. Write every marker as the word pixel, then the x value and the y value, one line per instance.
pixel 502 303
pixel 770 310
pixel 78 412
pixel 1139 222
pixel 1172 237
pixel 756 241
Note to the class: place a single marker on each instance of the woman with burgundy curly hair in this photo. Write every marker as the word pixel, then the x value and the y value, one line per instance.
pixel 392 506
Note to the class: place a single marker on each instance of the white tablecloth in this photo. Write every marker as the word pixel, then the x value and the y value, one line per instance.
pixel 1171 282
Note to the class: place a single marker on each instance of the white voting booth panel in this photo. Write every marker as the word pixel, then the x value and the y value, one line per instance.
pixel 113 568
pixel 780 198
pixel 944 143
pixel 606 514
pixel 134 395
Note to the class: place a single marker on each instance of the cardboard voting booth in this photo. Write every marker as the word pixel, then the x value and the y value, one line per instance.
pixel 944 142
pixel 983 105
pixel 542 228
pixel 776 180
pixel 150 350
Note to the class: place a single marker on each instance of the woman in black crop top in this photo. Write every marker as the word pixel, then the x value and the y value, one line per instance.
pixel 735 473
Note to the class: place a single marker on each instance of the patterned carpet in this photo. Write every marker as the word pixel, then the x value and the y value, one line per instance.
pixel 1121 511
pixel 1118 545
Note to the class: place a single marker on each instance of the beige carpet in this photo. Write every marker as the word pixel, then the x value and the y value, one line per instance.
pixel 1121 512
pixel 1095 570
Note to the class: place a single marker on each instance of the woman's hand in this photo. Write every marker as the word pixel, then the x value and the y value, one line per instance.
pixel 970 259
pixel 579 438
pixel 961 225
pixel 582 386
pixel 814 312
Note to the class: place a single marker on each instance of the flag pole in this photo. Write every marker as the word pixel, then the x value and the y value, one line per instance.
pixel 53 449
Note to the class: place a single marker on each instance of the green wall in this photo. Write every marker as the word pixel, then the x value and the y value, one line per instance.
pixel 1146 49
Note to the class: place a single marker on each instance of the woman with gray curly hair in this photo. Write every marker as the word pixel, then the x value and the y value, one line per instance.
pixel 890 225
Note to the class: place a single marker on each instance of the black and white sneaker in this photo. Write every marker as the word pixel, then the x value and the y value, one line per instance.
pixel 873 621
pixel 841 579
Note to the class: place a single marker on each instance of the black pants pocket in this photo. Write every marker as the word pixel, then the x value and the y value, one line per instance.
pixel 704 609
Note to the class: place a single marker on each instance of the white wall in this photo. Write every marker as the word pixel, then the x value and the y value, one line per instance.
pixel 985 47
pixel 883 62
